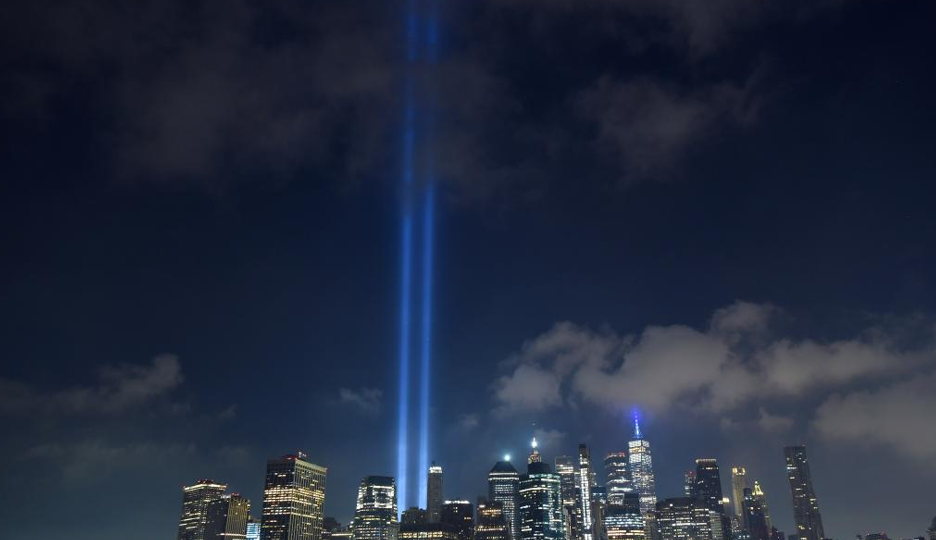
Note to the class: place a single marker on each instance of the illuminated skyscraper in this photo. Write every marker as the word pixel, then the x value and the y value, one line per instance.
pixel 624 521
pixel 641 467
pixel 565 468
pixel 293 499
pixel 539 504
pixel 227 518
pixel 459 514
pixel 738 483
pixel 503 487
pixel 492 523
pixel 195 499
pixel 584 491
pixel 805 506
pixel 689 482
pixel 434 496
pixel 618 484
pixel 761 498
pixel 375 516
pixel 683 518
pixel 253 529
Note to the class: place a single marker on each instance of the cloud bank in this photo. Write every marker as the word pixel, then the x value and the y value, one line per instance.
pixel 723 369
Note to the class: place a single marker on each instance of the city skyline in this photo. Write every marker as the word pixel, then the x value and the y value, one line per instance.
pixel 535 497
pixel 689 235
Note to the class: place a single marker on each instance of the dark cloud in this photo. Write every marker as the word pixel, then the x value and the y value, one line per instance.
pixel 119 388
pixel 365 400
pixel 650 126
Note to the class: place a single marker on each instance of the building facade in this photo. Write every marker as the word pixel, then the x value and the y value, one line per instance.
pixel 227 518
pixel 805 505
pixel 641 467
pixel 195 499
pixel 293 499
pixel 492 522
pixel 459 514
pixel 739 482
pixel 584 486
pixel 624 521
pixel 428 531
pixel 434 496
pixel 375 515
pixel 540 504
pixel 503 487
pixel 683 518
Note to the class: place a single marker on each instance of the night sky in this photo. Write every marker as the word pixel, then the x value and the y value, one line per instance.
pixel 721 213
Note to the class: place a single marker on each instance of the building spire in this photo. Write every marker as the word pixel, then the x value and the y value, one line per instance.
pixel 637 434
pixel 534 453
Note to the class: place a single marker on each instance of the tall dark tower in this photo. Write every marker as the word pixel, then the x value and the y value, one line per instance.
pixel 227 518
pixel 460 515
pixel 293 499
pixel 708 489
pixel 195 500
pixel 434 494
pixel 503 488
pixel 805 506
pixel 540 504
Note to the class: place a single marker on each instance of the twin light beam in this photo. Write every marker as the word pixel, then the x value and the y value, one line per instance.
pixel 418 193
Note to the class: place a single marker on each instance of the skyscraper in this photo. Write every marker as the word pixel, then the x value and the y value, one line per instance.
pixel 539 506
pixel 708 492
pixel 683 518
pixel 459 514
pixel 624 521
pixel 195 499
pixel 761 498
pixel 753 518
pixel 689 482
pixel 708 484
pixel 434 496
pixel 253 529
pixel 565 468
pixel 805 506
pixel 618 484
pixel 584 491
pixel 503 487
pixel 641 467
pixel 414 515
pixel 293 499
pixel 375 515
pixel 738 483
pixel 227 518
pixel 492 523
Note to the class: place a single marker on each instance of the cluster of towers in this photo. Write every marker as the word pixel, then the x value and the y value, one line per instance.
pixel 560 502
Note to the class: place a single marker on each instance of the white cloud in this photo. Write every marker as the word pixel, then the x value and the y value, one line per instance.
pixel 119 388
pixel 716 370
pixel 898 415
pixel 366 400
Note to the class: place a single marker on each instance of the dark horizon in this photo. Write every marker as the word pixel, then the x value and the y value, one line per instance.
pixel 720 215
